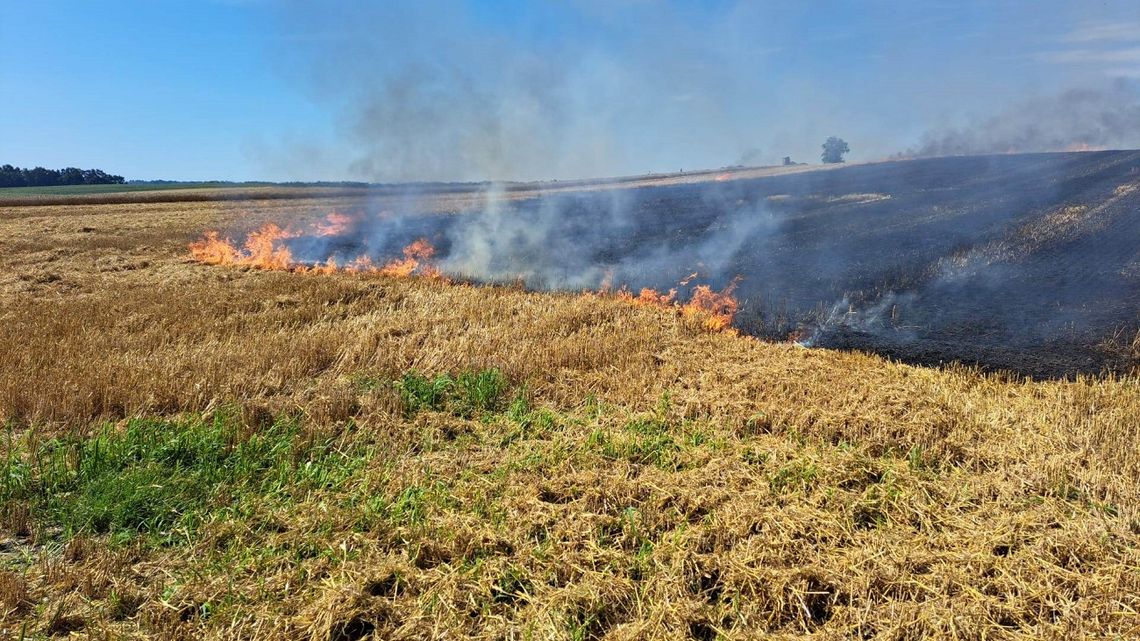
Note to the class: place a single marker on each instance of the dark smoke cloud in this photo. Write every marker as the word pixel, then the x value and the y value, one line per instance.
pixel 1074 120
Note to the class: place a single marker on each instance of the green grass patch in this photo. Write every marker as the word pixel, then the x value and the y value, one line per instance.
pixel 160 477
pixel 646 441
pixel 470 394
pixel 798 475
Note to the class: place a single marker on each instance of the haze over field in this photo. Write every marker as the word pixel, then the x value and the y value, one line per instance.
pixel 436 92
pixel 453 90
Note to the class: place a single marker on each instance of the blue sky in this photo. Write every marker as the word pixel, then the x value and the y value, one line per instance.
pixel 445 89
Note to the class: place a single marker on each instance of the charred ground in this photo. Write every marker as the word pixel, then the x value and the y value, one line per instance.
pixel 1021 262
pixel 1025 262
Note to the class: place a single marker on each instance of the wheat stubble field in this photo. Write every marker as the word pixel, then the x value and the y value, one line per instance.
pixel 194 452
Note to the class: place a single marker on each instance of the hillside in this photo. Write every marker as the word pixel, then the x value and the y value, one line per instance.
pixel 1027 262
pixel 197 451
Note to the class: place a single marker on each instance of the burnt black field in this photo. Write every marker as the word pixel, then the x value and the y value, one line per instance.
pixel 1025 263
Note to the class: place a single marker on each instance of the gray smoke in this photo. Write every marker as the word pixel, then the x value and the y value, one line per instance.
pixel 433 91
pixel 428 91
pixel 1074 120
pixel 455 90
pixel 587 239
pixel 878 317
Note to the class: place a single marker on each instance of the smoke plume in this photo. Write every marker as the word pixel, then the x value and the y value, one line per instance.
pixel 1074 120
pixel 946 254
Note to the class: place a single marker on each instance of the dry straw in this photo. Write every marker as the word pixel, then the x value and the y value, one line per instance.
pixel 667 482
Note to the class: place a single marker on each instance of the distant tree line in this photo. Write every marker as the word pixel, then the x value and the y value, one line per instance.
pixel 39 177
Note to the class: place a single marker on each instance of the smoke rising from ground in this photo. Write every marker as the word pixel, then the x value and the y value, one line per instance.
pixel 1019 261
pixel 1074 120
pixel 581 240
pixel 432 92
pixel 590 239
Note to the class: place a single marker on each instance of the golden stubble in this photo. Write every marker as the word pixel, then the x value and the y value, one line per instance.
pixel 104 317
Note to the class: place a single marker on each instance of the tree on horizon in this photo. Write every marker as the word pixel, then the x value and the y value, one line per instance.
pixel 11 176
pixel 833 150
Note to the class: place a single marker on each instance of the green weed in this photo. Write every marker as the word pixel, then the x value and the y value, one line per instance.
pixel 163 476
pixel 796 475
pixel 468 395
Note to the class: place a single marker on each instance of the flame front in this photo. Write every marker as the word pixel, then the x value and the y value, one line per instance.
pixel 715 310
pixel 266 248
pixel 212 250
pixel 262 249
pixel 415 257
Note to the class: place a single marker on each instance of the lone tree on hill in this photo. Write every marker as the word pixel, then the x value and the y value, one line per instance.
pixel 833 150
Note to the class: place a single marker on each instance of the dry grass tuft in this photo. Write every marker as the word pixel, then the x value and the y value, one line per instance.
pixel 14 596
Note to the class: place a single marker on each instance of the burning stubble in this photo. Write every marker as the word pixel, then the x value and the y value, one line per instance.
pixel 984 259
pixel 347 242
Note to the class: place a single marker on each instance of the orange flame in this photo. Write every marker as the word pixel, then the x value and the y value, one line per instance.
pixel 360 264
pixel 264 249
pixel 715 310
pixel 415 254
pixel 649 297
pixel 212 250
pixel 334 224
